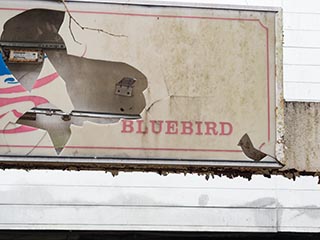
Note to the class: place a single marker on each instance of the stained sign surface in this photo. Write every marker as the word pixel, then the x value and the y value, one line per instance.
pixel 142 82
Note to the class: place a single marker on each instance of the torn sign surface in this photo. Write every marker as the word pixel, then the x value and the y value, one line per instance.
pixel 15 100
pixel 208 74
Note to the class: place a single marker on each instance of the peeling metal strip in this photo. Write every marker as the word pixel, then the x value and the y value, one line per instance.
pixel 33 45
pixel 57 112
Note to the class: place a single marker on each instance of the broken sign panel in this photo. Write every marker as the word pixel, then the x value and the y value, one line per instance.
pixel 15 101
pixel 198 81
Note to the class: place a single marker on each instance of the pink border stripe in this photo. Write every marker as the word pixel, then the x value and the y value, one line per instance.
pixel 45 80
pixel 191 17
pixel 163 15
pixel 152 149
pixel 131 148
pixel 268 83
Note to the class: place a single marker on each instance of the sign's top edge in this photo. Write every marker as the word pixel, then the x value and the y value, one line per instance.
pixel 178 4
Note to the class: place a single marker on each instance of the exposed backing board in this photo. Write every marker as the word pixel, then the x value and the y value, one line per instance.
pixel 141 85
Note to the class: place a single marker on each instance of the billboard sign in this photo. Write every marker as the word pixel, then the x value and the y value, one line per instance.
pixel 142 84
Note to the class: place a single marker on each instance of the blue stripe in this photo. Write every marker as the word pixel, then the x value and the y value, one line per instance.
pixel 4 70
pixel 11 80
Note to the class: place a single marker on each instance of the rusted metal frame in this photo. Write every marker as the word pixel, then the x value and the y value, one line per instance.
pixel 143 163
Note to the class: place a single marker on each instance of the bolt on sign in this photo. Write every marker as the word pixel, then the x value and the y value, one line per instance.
pixel 100 83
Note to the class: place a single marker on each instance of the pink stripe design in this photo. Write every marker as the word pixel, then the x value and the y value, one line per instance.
pixel 35 99
pixel 17 114
pixel 20 129
pixel 2 115
pixel 15 89
pixel 45 80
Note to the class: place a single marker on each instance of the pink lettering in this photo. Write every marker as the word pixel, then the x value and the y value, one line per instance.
pixel 127 126
pixel 199 130
pixel 211 128
pixel 226 128
pixel 156 126
pixel 187 127
pixel 172 127
pixel 141 128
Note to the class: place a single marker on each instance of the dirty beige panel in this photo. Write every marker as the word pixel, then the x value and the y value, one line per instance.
pixel 205 77
pixel 205 68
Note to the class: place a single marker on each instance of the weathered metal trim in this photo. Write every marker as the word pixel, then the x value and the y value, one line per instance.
pixel 57 112
pixel 179 4
pixel 141 162
pixel 33 45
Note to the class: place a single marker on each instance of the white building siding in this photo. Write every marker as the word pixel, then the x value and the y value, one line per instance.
pixel 137 201
pixel 140 201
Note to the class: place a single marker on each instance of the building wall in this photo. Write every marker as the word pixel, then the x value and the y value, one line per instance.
pixel 147 201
